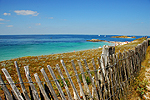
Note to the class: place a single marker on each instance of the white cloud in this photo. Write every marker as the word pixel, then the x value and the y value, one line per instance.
pixel 29 27
pixel 38 24
pixel 9 26
pixel 7 14
pixel 50 17
pixel 2 19
pixel 26 12
pixel 2 23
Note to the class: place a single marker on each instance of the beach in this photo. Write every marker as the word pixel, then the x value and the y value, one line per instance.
pixel 16 46
pixel 35 63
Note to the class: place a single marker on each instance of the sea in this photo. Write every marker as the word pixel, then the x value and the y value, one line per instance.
pixel 15 46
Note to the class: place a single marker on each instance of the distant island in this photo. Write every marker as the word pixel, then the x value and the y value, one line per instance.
pixel 95 40
pixel 123 37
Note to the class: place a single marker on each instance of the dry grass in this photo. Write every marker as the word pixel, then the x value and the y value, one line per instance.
pixel 139 86
pixel 35 63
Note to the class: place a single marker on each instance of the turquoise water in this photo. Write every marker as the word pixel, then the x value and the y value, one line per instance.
pixel 15 46
pixel 45 49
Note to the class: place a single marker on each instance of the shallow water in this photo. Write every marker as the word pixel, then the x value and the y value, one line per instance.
pixel 14 46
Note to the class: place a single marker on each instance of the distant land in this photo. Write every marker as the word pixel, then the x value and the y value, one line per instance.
pixel 123 37
pixel 95 40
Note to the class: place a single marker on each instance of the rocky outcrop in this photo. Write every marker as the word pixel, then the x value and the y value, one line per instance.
pixel 95 40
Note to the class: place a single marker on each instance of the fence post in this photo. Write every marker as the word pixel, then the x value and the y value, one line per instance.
pixel 5 89
pixel 128 68
pixel 105 54
pixel 49 83
pixel 12 84
pixel 105 79
pixel 96 77
pixel 64 82
pixel 90 76
pixel 67 73
pixel 111 76
pixel 115 78
pixel 35 93
pixel 41 86
pixel 84 79
pixel 21 82
pixel 125 74
pixel 78 80
pixel 101 79
pixel 56 81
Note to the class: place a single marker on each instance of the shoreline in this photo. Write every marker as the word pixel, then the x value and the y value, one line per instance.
pixel 51 52
pixel 37 62
pixel 115 42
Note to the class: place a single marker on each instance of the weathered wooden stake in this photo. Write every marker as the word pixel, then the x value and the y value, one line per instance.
pixel 64 82
pixel 12 84
pixel 57 83
pixel 90 76
pixel 21 82
pixel 96 77
pixel 84 79
pixel 49 83
pixel 67 73
pixel 78 80
pixel 34 91
pixel 41 86
pixel 5 89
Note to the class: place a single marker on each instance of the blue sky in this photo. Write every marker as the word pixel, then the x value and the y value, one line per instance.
pixel 109 17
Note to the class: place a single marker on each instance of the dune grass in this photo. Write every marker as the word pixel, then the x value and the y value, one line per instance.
pixel 35 63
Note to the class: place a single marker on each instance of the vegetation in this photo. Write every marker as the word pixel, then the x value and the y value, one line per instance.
pixel 35 63
pixel 139 86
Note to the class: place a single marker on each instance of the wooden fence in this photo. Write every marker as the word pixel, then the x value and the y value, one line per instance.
pixel 110 79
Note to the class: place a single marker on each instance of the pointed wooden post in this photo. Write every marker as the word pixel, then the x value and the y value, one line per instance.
pixel 5 89
pixel 115 77
pixel 96 77
pixel 12 84
pixel 34 91
pixel 111 66
pixel 21 82
pixel 41 86
pixel 84 79
pixel 67 73
pixel 49 83
pixel 127 66
pixel 56 81
pixel 101 78
pixel 90 76
pixel 78 80
pixel 105 54
pixel 64 82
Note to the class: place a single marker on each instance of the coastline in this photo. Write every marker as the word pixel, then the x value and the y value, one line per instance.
pixel 114 42
pixel 35 63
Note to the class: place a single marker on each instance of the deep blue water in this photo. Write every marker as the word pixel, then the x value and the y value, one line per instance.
pixel 14 46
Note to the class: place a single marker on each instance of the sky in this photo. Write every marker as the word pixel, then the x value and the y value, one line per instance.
pixel 100 17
